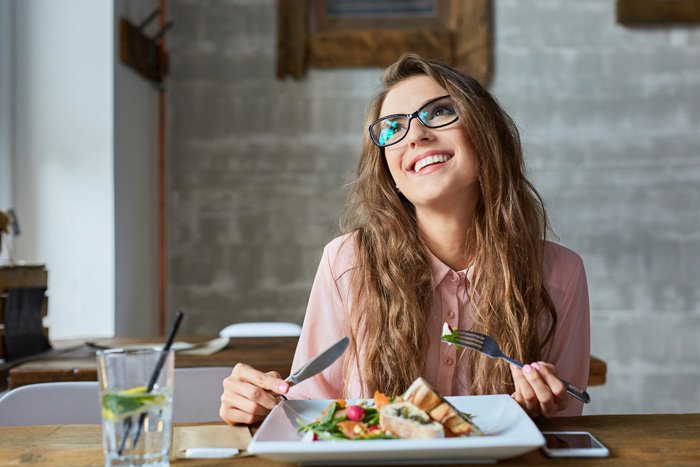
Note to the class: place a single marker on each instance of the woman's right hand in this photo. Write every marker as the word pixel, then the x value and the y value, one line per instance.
pixel 249 394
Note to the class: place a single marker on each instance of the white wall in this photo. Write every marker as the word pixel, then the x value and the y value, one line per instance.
pixel 5 104
pixel 63 184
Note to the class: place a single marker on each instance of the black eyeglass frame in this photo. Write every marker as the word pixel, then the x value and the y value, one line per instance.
pixel 408 125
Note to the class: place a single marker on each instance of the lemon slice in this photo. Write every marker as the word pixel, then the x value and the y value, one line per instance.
pixel 117 405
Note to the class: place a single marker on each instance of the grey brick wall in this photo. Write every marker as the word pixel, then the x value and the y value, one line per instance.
pixel 610 121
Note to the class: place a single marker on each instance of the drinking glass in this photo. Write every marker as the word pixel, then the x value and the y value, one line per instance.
pixel 136 423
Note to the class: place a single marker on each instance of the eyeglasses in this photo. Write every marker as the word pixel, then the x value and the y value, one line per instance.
pixel 391 129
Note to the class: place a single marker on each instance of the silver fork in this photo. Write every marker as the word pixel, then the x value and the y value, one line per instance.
pixel 486 345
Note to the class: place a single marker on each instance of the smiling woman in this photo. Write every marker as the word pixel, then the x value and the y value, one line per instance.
pixel 442 225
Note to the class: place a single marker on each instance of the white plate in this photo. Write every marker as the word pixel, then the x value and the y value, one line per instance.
pixel 508 432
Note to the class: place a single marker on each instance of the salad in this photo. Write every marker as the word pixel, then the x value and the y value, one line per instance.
pixel 345 422
pixel 449 334
pixel 419 413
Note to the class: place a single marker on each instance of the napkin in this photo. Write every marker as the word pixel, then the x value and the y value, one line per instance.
pixel 215 438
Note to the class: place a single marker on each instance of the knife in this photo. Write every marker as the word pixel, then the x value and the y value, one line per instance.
pixel 319 363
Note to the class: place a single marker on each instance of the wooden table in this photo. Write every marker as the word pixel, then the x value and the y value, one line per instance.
pixel 264 353
pixel 74 362
pixel 631 439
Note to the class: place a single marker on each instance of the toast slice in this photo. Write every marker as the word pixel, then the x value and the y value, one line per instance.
pixel 425 397
pixel 405 420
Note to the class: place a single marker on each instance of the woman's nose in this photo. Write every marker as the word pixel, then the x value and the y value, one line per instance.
pixel 418 132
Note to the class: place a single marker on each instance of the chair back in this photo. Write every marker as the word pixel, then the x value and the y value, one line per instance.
pixel 261 329
pixel 196 398
pixel 197 394
pixel 75 402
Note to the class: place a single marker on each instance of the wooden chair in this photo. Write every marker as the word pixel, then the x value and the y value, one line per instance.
pixel 597 372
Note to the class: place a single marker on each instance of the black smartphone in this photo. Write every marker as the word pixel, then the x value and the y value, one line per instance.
pixel 572 444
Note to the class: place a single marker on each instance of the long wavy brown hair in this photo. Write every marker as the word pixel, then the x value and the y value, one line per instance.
pixel 393 285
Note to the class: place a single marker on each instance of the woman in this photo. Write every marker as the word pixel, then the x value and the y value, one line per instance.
pixel 442 226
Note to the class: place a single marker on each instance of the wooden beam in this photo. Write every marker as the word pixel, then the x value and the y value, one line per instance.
pixel 292 34
pixel 638 12
pixel 472 40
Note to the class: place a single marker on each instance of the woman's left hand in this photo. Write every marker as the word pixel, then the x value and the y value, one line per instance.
pixel 538 390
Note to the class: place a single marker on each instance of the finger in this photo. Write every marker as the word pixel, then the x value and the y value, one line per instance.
pixel 548 372
pixel 529 399
pixel 518 398
pixel 234 416
pixel 246 405
pixel 235 388
pixel 532 410
pixel 543 392
pixel 270 381
pixel 283 387
pixel 257 395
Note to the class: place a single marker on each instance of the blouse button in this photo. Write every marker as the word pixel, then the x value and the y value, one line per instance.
pixel 449 361
pixel 451 314
pixel 455 277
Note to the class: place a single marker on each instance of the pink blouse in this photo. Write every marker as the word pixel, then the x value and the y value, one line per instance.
pixel 329 305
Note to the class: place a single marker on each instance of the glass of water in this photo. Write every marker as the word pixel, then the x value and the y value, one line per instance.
pixel 136 422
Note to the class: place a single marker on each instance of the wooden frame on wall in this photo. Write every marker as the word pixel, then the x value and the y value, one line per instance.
pixel 456 32
pixel 657 12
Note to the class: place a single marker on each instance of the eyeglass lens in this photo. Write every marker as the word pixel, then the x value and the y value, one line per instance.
pixel 393 128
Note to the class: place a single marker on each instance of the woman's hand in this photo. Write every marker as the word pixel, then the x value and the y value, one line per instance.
pixel 538 390
pixel 249 394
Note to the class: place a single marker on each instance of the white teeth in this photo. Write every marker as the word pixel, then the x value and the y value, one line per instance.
pixel 430 160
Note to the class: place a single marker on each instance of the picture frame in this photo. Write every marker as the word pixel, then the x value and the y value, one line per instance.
pixel 657 12
pixel 311 35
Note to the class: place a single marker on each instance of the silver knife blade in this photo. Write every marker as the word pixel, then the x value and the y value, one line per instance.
pixel 320 362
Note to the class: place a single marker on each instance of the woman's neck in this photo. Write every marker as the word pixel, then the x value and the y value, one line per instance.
pixel 446 235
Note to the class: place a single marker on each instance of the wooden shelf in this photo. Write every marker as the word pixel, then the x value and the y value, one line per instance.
pixel 11 277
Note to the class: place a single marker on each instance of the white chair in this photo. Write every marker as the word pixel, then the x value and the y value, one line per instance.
pixel 196 398
pixel 261 329
pixel 197 394
pixel 51 404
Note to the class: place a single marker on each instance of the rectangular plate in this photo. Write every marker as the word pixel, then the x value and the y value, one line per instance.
pixel 508 432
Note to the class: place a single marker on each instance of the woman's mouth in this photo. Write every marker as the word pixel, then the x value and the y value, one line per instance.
pixel 430 160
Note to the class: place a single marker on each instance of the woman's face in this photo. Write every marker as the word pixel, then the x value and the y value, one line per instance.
pixel 447 175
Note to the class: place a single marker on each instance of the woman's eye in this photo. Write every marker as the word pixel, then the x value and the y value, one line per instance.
pixel 442 110
pixel 393 125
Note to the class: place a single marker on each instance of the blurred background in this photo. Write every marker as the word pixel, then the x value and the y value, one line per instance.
pixel 256 167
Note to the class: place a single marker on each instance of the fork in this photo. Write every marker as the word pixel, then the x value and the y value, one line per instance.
pixel 486 345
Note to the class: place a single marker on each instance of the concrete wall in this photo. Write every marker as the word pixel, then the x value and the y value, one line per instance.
pixel 609 117
pixel 611 121
pixel 257 166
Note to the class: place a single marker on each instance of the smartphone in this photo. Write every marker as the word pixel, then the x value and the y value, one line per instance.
pixel 572 444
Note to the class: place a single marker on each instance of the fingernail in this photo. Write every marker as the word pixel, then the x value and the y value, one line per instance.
pixel 283 388
pixel 527 368
pixel 535 366
pixel 513 366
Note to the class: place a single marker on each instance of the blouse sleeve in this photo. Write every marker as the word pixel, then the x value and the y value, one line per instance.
pixel 570 349
pixel 322 327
